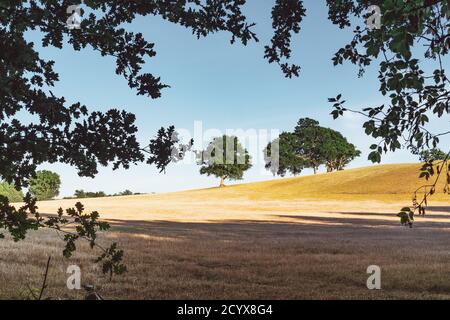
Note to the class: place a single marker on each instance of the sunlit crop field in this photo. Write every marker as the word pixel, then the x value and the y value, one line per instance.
pixel 241 243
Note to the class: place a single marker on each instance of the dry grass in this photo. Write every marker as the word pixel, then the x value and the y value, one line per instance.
pixel 241 243
pixel 392 183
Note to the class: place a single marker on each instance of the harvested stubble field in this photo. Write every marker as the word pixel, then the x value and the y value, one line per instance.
pixel 298 238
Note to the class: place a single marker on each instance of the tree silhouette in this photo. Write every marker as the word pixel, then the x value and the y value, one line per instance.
pixel 415 93
pixel 409 46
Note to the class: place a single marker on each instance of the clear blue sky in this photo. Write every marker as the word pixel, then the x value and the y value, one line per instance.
pixel 224 86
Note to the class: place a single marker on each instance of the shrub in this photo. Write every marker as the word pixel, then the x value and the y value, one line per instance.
pixel 9 191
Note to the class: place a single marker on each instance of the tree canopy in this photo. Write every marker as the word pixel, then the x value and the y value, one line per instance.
pixel 45 185
pixel 288 161
pixel 310 139
pixel 409 46
pixel 336 150
pixel 311 146
pixel 225 158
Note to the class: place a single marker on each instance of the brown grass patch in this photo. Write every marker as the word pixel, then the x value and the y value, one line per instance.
pixel 246 250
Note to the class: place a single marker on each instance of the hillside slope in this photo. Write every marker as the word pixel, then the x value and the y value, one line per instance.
pixel 376 189
pixel 378 182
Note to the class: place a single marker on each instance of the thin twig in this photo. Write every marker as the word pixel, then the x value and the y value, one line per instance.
pixel 44 283
pixel 32 293
pixel 433 186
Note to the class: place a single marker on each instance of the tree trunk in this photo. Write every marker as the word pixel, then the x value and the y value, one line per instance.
pixel 222 181
pixel 315 170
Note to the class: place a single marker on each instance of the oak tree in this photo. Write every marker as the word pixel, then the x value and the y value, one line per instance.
pixel 310 146
pixel 225 158
pixel 287 160
pixel 336 150
pixel 45 185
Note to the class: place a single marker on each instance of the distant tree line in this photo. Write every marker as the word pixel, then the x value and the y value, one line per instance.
pixel 81 194
pixel 45 186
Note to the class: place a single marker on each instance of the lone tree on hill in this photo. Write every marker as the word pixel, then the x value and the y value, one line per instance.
pixel 45 186
pixel 225 158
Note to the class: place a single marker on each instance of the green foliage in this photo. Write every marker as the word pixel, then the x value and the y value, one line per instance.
pixel 81 194
pixel 410 48
pixel 310 146
pixel 74 134
pixel 336 150
pixel 415 89
pixel 45 185
pixel 126 193
pixel 438 168
pixel 112 261
pixel 10 192
pixel 225 158
pixel 406 216
pixel 288 161
pixel 166 148
pixel 310 139
pixel 74 225
pixel 432 155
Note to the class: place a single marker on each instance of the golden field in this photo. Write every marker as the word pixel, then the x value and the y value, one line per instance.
pixel 294 238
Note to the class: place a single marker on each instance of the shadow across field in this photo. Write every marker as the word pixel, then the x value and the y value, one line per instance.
pixel 388 215
pixel 439 208
pixel 302 227
pixel 307 257
pixel 276 254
